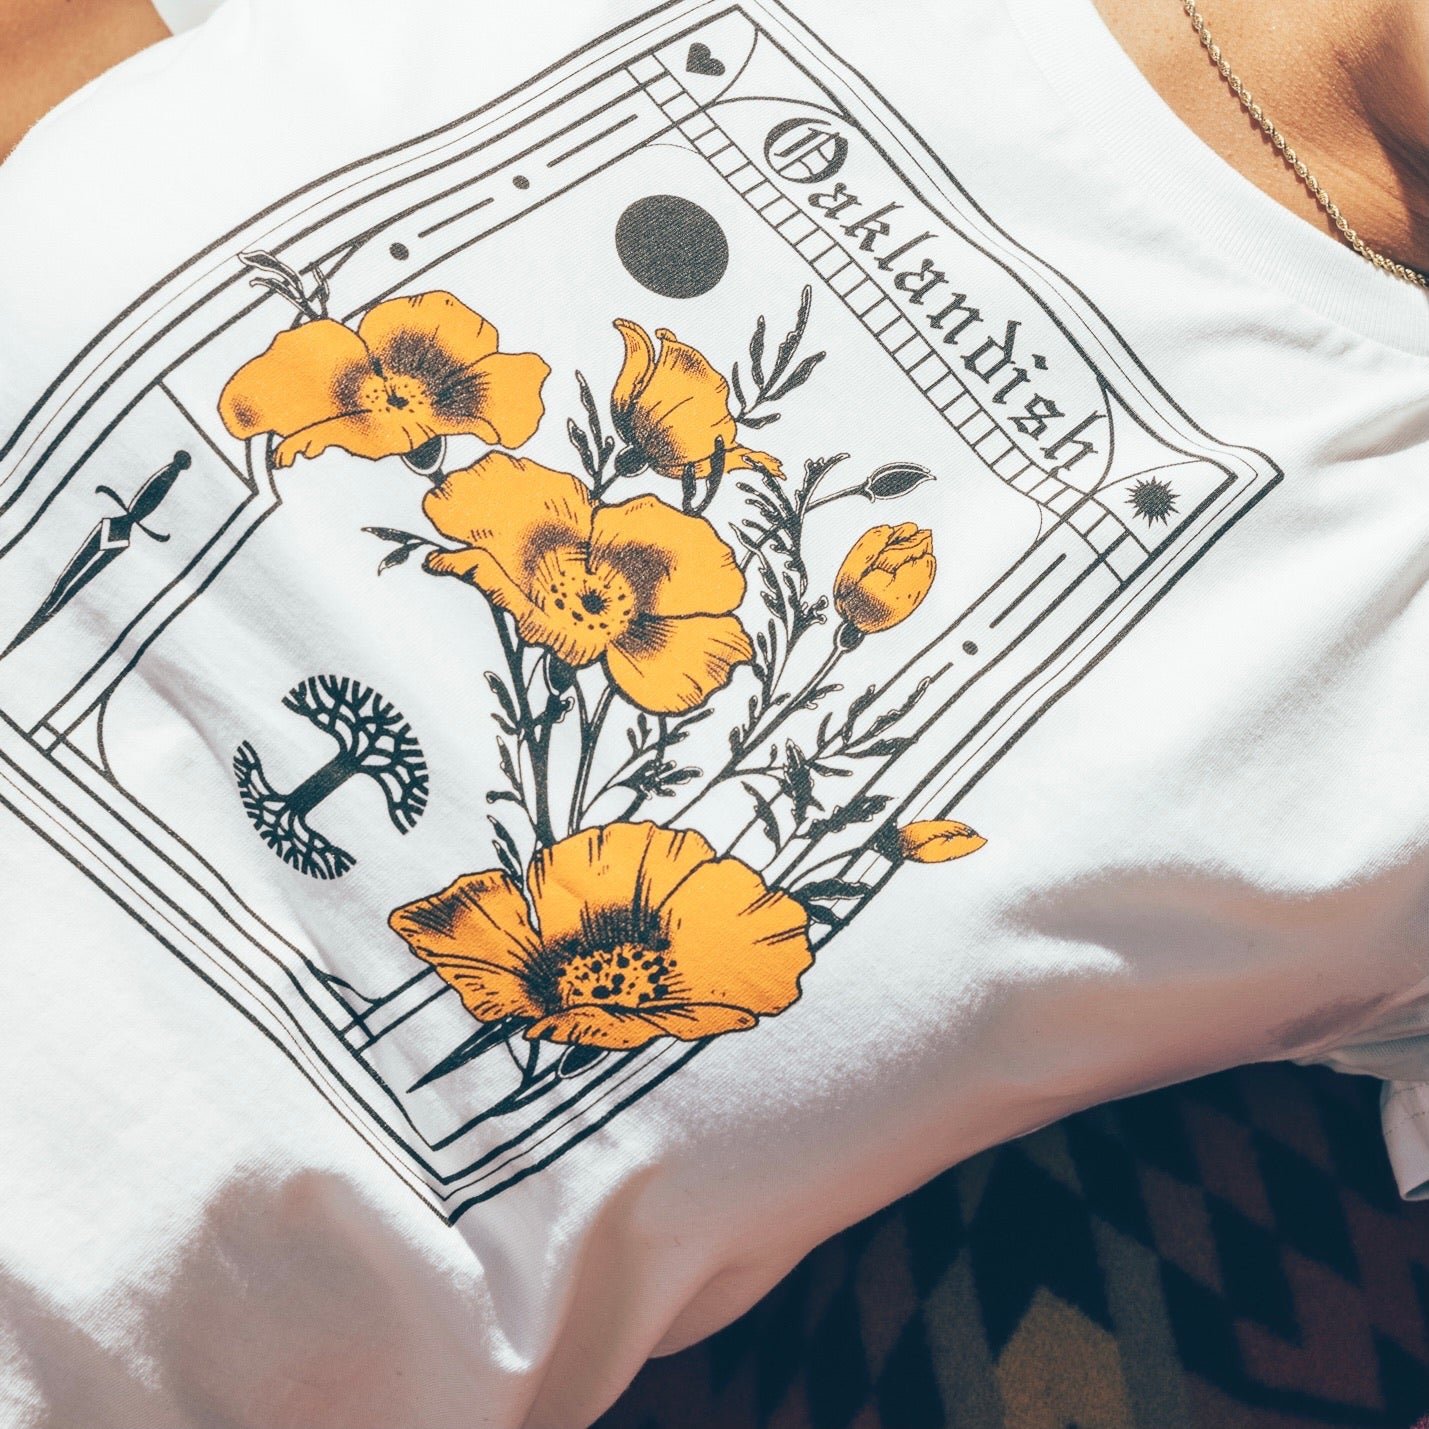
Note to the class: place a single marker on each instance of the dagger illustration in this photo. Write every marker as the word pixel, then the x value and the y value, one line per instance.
pixel 105 544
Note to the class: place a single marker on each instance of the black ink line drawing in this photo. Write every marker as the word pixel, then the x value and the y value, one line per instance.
pixel 372 738
pixel 700 60
pixel 320 1028
pixel 272 274
pixel 1153 499
pixel 105 544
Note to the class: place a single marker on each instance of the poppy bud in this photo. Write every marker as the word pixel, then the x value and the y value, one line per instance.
pixel 884 578
pixel 930 841
pixel 560 675
pixel 578 1058
pixel 426 460
pixel 897 478
pixel 672 409
pixel 630 461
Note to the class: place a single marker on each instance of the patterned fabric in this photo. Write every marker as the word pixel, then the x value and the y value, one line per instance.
pixel 1230 1254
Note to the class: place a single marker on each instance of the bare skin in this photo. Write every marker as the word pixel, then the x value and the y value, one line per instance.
pixel 1346 81
pixel 50 48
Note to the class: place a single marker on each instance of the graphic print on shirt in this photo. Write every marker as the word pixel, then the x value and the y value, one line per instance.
pixel 502 615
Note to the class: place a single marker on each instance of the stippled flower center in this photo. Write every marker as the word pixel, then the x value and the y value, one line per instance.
pixel 626 975
pixel 595 600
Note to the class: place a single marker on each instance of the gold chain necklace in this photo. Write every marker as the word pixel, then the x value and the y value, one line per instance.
pixel 1293 160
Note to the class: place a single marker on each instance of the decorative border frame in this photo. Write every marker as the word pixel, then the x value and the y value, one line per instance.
pixel 1090 569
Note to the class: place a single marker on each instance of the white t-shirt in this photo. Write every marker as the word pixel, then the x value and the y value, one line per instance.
pixel 180 15
pixel 428 992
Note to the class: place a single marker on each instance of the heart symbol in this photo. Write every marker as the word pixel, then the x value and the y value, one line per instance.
pixel 701 61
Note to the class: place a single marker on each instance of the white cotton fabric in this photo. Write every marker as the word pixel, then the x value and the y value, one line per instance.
pixel 1406 1110
pixel 180 15
pixel 1213 849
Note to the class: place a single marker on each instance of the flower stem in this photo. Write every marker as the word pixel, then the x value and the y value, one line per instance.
pixel 758 736
pixel 796 703
pixel 803 505
pixel 536 742
pixel 842 856
pixel 631 762
pixel 590 739
pixel 831 498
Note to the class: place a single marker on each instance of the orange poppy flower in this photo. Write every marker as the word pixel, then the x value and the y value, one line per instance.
pixel 416 368
pixel 638 932
pixel 638 584
pixel 884 578
pixel 674 407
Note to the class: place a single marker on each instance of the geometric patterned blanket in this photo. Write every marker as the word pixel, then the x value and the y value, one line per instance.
pixel 1227 1254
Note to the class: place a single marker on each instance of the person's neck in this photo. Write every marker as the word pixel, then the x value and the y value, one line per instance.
pixel 1346 81
pixel 50 48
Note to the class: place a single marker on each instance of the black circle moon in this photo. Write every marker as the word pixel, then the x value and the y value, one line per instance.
pixel 671 246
